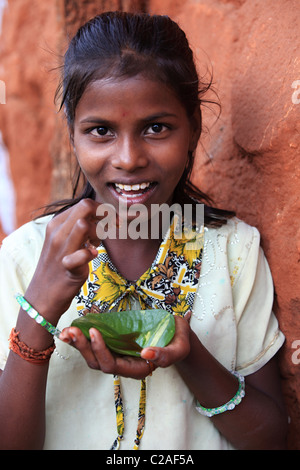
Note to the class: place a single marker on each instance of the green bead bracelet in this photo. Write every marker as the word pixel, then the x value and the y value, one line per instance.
pixel 36 316
pixel 230 405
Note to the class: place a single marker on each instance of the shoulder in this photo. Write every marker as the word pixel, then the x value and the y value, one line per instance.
pixel 235 244
pixel 26 242
pixel 235 237
pixel 236 232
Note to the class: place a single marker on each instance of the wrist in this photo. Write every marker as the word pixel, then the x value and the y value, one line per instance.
pixel 43 304
pixel 36 316
pixel 209 381
pixel 230 405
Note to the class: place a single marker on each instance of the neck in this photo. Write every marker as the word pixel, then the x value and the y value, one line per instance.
pixel 131 257
pixel 134 246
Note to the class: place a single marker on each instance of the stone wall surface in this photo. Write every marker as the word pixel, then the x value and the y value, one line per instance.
pixel 248 159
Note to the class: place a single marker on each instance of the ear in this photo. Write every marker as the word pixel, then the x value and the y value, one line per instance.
pixel 196 128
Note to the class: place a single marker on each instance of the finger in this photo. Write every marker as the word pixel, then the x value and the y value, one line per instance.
pixel 103 355
pixel 90 211
pixel 82 234
pixel 162 357
pixel 76 338
pixel 67 233
pixel 175 351
pixel 151 355
pixel 76 261
pixel 110 363
pixel 85 209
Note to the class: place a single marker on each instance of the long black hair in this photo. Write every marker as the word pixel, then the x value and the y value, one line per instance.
pixel 119 44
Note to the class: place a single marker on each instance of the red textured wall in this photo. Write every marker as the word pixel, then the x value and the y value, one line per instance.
pixel 251 162
pixel 28 39
pixel 248 161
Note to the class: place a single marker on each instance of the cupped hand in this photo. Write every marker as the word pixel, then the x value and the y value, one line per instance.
pixel 98 356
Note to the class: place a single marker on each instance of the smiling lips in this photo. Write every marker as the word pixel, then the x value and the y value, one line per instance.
pixel 132 189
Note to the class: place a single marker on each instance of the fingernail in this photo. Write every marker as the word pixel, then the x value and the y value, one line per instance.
pixel 92 334
pixel 65 340
pixel 73 337
pixel 150 354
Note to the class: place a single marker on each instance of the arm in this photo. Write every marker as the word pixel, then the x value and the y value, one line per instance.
pixel 22 391
pixel 259 421
pixel 62 269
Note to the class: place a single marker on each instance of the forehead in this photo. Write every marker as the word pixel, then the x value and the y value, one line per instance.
pixel 135 95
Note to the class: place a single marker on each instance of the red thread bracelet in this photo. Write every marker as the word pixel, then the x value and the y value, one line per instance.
pixel 26 353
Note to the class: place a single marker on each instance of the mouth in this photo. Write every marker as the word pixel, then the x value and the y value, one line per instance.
pixel 133 190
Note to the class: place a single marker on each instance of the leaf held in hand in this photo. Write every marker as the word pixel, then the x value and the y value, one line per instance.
pixel 128 332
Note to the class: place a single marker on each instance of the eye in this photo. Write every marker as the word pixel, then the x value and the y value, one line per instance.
pixel 156 128
pixel 100 131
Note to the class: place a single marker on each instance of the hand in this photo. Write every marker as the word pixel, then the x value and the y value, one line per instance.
pixel 98 356
pixel 63 265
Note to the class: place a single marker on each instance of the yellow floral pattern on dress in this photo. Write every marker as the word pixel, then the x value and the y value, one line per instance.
pixel 110 284
pixel 170 283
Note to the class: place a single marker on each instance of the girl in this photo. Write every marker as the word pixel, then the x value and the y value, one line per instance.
pixel 133 100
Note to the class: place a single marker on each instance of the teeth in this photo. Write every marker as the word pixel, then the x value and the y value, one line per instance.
pixel 134 187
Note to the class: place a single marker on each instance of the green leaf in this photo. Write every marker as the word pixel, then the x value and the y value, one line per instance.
pixel 128 332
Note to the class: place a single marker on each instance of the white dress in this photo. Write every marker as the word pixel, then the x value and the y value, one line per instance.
pixel 232 317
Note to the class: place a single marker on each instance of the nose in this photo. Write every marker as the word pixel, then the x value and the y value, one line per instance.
pixel 129 155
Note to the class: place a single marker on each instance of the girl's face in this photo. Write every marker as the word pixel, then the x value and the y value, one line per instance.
pixel 132 137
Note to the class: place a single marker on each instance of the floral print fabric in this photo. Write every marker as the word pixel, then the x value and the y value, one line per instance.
pixel 170 283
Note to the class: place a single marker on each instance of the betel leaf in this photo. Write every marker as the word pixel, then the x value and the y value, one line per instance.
pixel 128 332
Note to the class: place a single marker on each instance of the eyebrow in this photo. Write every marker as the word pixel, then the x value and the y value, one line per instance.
pixel 94 120
pixel 151 118
pixel 162 115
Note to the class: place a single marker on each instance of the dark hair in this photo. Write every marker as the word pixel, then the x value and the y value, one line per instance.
pixel 119 44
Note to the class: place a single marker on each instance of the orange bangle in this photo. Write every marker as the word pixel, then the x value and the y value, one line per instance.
pixel 26 353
